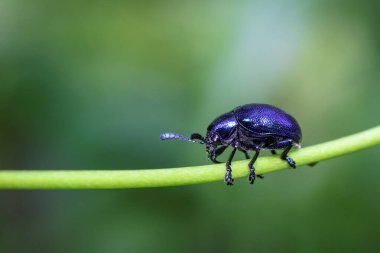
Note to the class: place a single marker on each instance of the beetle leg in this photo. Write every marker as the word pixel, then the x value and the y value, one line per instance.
pixel 228 177
pixel 245 153
pixel 217 153
pixel 215 161
pixel 252 175
pixel 287 144
pixel 220 151
pixel 285 156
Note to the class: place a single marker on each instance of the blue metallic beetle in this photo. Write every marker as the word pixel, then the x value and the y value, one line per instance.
pixel 248 127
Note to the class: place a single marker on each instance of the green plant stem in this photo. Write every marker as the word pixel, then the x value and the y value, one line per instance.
pixel 111 179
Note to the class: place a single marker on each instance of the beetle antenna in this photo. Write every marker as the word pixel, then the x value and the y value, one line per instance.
pixel 196 138
pixel 199 137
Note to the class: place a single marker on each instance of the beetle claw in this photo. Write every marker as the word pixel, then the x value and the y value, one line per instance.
pixel 312 164
pixel 291 162
pixel 252 175
pixel 228 177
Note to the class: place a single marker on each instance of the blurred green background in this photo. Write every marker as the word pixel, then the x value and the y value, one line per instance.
pixel 92 84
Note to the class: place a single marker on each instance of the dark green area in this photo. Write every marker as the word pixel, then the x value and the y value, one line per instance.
pixel 92 84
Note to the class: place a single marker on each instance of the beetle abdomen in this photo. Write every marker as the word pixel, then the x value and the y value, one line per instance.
pixel 264 120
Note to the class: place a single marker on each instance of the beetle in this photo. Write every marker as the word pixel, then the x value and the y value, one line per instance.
pixel 248 127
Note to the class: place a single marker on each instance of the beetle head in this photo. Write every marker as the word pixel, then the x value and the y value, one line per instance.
pixel 211 141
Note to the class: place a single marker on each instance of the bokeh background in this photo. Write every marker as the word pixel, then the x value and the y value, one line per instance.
pixel 92 84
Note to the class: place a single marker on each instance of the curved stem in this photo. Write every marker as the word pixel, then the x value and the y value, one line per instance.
pixel 110 179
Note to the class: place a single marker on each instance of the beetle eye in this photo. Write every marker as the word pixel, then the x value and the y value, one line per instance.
pixel 215 137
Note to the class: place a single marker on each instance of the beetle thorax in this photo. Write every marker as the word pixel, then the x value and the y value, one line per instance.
pixel 222 129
